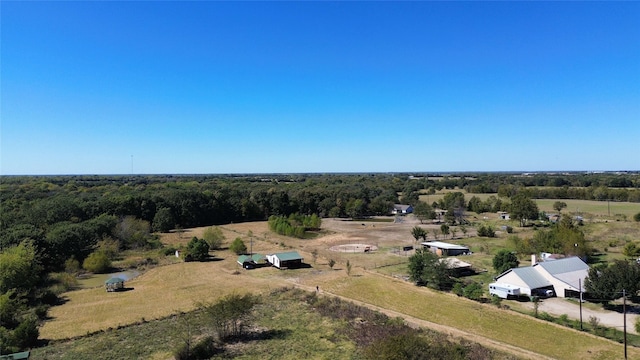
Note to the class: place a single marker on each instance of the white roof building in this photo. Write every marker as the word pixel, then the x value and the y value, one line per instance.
pixel 565 276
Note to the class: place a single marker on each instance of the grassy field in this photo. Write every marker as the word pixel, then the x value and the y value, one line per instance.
pixel 591 208
pixel 165 290
pixel 157 293
pixel 472 317
pixel 288 324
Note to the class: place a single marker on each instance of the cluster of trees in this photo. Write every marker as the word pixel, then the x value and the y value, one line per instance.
pixel 20 274
pixel 565 237
pixel 425 268
pixel 606 282
pixel 294 225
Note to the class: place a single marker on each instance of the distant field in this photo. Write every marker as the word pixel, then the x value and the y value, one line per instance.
pixel 597 208
pixel 592 207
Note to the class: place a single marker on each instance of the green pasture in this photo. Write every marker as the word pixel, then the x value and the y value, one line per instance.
pixel 592 207
pixel 482 319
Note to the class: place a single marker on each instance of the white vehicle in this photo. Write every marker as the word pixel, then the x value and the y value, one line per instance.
pixel 504 291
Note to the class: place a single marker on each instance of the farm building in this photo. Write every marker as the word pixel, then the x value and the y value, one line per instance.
pixel 399 209
pixel 251 261
pixel 284 260
pixel 562 276
pixel 445 249
pixel 114 284
pixel 504 215
pixel 457 267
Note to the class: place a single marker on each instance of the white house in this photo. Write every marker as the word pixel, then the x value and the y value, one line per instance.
pixel 565 277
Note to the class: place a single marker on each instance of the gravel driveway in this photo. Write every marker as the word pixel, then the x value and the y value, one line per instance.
pixel 559 306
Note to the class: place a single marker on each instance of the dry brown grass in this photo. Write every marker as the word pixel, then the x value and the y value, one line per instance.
pixel 167 289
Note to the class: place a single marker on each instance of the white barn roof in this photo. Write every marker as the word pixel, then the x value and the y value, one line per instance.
pixel 444 245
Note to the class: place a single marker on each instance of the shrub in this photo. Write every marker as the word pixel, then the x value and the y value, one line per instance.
pixel 636 217
pixel 332 263
pixel 486 231
pixel 473 291
pixel 97 262
pixel 238 246
pixel 72 266
pixel 497 301
pixel 214 237
pixel 458 289
pixel 197 249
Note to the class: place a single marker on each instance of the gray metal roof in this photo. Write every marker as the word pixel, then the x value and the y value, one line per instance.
pixel 561 266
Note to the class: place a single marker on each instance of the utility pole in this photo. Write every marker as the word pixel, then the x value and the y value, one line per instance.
pixel 624 313
pixel 580 288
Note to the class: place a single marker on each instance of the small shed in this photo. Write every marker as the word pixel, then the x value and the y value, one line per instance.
pixel 251 261
pixel 445 249
pixel 288 260
pixel 504 215
pixel 114 284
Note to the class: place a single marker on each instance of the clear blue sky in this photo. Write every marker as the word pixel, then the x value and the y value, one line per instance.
pixel 270 87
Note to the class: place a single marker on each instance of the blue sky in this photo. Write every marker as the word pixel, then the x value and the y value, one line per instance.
pixel 270 87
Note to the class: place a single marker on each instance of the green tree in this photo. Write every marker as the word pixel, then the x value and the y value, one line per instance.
pixel 417 232
pixel 197 250
pixel 505 260
pixel 559 205
pixel 238 246
pixel 444 229
pixel 97 262
pixel 230 315
pixel 332 263
pixel 426 268
pixel 133 233
pixel 607 282
pixel 523 209
pixel 214 237
pixel 19 268
pixel 164 220
pixel 423 211
pixel 636 217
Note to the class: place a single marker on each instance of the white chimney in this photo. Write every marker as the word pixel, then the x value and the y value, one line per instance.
pixel 533 259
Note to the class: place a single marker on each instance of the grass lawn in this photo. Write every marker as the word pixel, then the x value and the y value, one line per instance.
pixel 504 326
